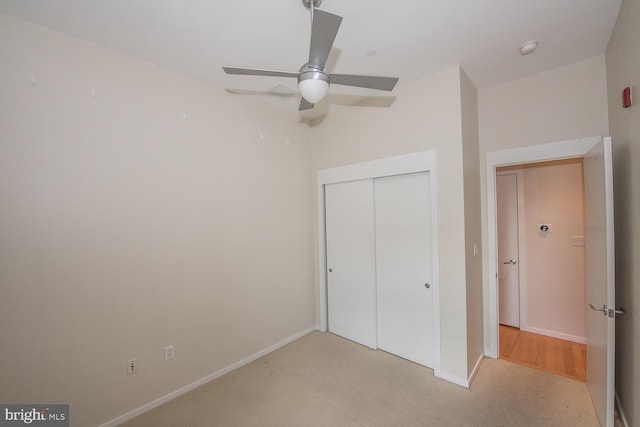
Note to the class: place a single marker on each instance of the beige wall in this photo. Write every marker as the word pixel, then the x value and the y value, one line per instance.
pixel 426 115
pixel 472 225
pixel 556 105
pixel 623 69
pixel 126 227
pixel 561 104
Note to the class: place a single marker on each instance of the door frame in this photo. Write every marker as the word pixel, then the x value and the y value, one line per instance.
pixel 530 154
pixel 423 161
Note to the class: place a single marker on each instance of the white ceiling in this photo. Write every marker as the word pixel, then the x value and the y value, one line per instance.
pixel 412 38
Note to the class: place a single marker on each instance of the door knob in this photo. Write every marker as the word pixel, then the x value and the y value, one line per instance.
pixel 511 261
pixel 618 312
pixel 609 312
pixel 426 285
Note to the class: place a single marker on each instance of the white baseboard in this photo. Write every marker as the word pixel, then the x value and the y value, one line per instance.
pixel 621 412
pixel 454 379
pixel 182 390
pixel 475 370
pixel 488 352
pixel 554 334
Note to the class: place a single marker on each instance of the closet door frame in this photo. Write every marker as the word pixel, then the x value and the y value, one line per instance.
pixel 424 161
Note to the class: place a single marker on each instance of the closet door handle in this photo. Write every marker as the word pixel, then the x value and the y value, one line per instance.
pixel 511 261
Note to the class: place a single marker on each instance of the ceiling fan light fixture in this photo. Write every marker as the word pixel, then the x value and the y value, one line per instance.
pixel 313 85
pixel 313 79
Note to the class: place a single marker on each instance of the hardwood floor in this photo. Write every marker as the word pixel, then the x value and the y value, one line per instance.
pixel 553 355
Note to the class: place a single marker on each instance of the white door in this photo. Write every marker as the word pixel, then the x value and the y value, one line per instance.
pixel 351 291
pixel 598 189
pixel 508 258
pixel 403 264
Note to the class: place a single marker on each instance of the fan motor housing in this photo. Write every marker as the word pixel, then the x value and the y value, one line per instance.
pixel 307 73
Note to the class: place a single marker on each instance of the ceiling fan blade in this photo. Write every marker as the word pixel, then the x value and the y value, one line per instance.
pixel 323 33
pixel 305 105
pixel 370 82
pixel 255 72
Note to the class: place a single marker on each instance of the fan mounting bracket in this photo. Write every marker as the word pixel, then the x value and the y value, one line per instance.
pixel 307 3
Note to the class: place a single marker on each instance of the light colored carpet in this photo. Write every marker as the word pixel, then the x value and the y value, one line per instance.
pixel 325 380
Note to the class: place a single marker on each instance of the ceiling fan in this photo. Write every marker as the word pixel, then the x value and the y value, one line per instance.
pixel 313 78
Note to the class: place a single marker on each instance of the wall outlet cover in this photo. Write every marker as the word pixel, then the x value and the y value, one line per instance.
pixel 132 366
pixel 169 352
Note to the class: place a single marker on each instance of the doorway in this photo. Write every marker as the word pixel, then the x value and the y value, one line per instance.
pixel 600 275
pixel 546 152
pixel 541 265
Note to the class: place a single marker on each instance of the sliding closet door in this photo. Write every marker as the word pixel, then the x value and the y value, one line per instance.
pixel 404 266
pixel 351 261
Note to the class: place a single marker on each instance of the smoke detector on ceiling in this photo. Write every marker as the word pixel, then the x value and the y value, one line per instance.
pixel 528 47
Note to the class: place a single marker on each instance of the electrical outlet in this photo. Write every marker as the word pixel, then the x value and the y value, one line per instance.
pixel 132 366
pixel 168 352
